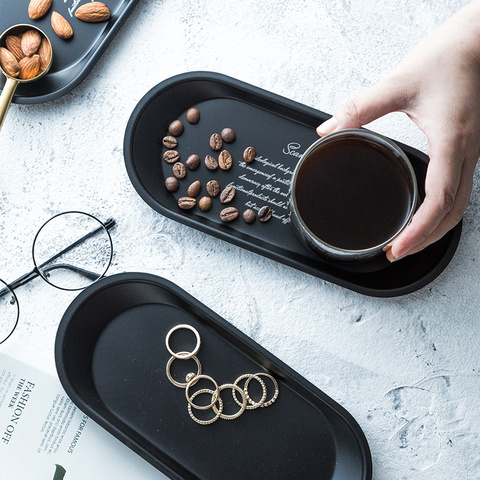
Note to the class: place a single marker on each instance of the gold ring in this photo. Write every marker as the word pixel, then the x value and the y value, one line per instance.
pixel 253 404
pixel 244 404
pixel 218 411
pixel 183 355
pixel 169 375
pixel 215 395
pixel 275 384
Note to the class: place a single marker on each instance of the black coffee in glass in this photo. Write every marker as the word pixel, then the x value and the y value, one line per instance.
pixel 353 194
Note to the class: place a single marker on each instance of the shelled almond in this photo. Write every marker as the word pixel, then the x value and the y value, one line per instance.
pixel 25 56
pixel 93 12
pixel 61 26
pixel 38 8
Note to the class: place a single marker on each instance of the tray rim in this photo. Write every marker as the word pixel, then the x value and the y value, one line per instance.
pixel 90 59
pixel 148 278
pixel 215 77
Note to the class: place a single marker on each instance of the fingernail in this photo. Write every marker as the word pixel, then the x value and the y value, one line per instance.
pixel 397 255
pixel 328 126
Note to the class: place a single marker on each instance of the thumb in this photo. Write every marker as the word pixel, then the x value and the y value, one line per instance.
pixel 382 98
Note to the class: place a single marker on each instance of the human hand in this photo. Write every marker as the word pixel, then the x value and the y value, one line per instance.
pixel 437 85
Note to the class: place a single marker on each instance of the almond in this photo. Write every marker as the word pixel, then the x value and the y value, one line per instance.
pixel 9 63
pixel 14 44
pixel 45 54
pixel 93 12
pixel 29 67
pixel 60 26
pixel 31 40
pixel 38 8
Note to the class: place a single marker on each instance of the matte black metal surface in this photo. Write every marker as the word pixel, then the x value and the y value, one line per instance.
pixel 280 130
pixel 111 357
pixel 72 58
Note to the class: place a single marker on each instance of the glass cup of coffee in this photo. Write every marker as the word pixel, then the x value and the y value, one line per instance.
pixel 352 193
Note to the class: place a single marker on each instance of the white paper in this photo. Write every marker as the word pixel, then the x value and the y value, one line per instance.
pixel 43 435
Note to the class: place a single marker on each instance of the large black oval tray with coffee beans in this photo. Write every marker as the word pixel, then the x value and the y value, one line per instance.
pixel 111 358
pixel 159 137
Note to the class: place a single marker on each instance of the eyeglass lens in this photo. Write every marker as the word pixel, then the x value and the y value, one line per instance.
pixel 72 250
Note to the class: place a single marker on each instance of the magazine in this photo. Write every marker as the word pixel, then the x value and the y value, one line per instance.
pixel 44 436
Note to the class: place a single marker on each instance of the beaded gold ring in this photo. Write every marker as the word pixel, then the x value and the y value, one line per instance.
pixel 275 384
pixel 235 388
pixel 183 355
pixel 215 395
pixel 252 403
pixel 218 411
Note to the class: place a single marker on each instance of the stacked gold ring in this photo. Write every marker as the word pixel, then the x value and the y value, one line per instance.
pixel 192 379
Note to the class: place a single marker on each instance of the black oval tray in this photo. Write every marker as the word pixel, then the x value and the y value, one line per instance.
pixel 280 130
pixel 111 358
pixel 73 59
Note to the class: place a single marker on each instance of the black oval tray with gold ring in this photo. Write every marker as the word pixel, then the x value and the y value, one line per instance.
pixel 111 358
pixel 74 58
pixel 280 130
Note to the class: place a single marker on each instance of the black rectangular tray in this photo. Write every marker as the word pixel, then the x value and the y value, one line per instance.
pixel 280 130
pixel 73 59
pixel 111 358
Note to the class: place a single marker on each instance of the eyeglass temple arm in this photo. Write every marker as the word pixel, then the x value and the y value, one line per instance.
pixel 110 223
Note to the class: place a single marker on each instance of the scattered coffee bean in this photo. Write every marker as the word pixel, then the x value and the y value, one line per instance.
pixel 170 142
pixel 193 115
pixel 213 188
pixel 211 163
pixel 193 162
pixel 249 154
pixel 179 170
pixel 228 214
pixel 186 203
pixel 176 128
pixel 171 184
pixel 265 214
pixel 194 189
pixel 228 135
pixel 171 156
pixel 249 216
pixel 228 194
pixel 205 204
pixel 216 142
pixel 225 161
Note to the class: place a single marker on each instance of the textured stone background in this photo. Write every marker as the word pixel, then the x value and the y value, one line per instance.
pixel 406 368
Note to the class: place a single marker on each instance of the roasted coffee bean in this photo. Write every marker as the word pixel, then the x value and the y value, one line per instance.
pixel 176 128
pixel 171 184
pixel 213 188
pixel 228 135
pixel 179 170
pixel 249 154
pixel 249 216
pixel 186 203
pixel 170 142
pixel 193 115
pixel 205 204
pixel 216 142
pixel 171 156
pixel 192 162
pixel 228 214
pixel 211 163
pixel 228 194
pixel 225 161
pixel 194 189
pixel 265 214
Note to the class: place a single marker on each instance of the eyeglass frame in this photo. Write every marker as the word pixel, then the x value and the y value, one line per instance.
pixel 36 272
